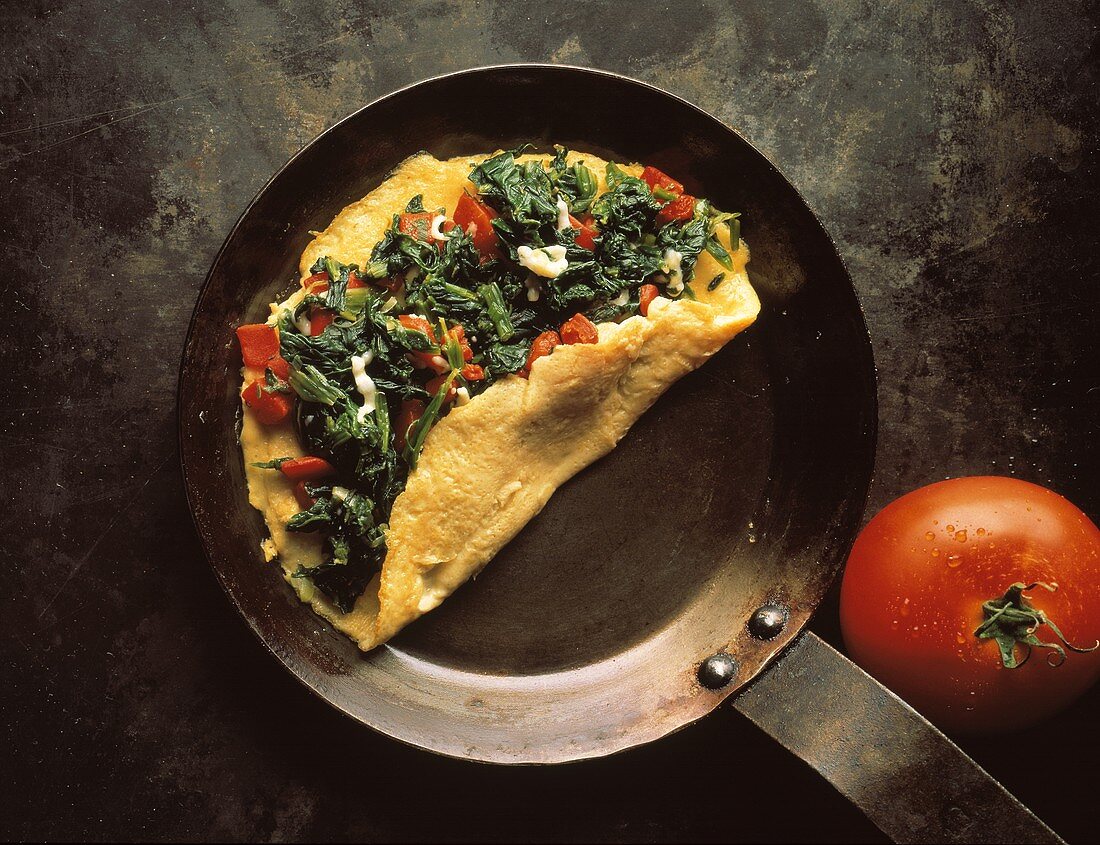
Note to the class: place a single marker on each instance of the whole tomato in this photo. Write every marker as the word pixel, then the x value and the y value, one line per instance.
pixel 932 570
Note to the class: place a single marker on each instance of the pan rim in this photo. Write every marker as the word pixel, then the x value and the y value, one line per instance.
pixel 871 435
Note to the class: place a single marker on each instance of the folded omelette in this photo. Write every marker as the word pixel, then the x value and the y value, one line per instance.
pixel 514 315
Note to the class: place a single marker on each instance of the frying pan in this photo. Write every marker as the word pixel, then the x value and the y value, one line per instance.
pixel 667 576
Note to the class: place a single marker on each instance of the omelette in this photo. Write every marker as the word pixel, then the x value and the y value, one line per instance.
pixel 463 340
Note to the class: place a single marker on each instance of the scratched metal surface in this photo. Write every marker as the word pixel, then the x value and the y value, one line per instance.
pixel 950 148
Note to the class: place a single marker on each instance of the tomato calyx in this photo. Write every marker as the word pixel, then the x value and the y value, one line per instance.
pixel 1012 621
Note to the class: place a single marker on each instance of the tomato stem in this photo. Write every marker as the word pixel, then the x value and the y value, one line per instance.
pixel 1012 621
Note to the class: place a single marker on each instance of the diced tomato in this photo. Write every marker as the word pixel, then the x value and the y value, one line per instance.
pixel 416 323
pixel 316 279
pixel 411 411
pixel 579 329
pixel 586 236
pixel 434 384
pixel 476 219
pixel 542 345
pixel 305 501
pixel 279 366
pixel 269 408
pixel 318 282
pixel 392 283
pixel 459 334
pixel 430 361
pixel 309 468
pixel 319 320
pixel 473 372
pixel 418 225
pixel 681 208
pixel 646 295
pixel 656 179
pixel 259 344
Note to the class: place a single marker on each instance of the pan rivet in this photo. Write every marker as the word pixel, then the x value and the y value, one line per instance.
pixel 768 621
pixel 717 670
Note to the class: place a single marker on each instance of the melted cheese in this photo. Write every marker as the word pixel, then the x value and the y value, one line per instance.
pixel 563 215
pixel 672 266
pixel 436 232
pixel 364 383
pixel 547 261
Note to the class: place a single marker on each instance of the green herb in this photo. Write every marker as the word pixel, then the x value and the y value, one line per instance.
pixel 313 386
pixel 523 192
pixel 716 281
pixel 498 312
pixel 627 208
pixel 420 429
pixel 575 183
pixel 274 384
pixel 274 463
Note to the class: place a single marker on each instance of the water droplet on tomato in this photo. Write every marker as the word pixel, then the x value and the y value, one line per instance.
pixel 950 528
pixel 981 532
pixel 960 536
pixel 960 639
pixel 905 608
pixel 928 535
pixel 954 561
pixel 935 552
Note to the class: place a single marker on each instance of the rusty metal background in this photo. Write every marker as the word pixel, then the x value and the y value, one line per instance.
pixel 952 149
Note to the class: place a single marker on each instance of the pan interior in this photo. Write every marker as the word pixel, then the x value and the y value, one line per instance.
pixel 743 484
pixel 622 549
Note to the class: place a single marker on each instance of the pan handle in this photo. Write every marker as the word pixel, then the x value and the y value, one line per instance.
pixel 909 779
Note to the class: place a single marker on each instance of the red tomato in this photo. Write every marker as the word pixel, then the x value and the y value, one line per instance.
pixel 309 468
pixel 411 411
pixel 586 233
pixel 436 383
pixel 318 282
pixel 269 408
pixel 319 320
pixel 473 372
pixel 542 345
pixel 656 179
pixel 646 295
pixel 318 279
pixel 416 323
pixel 416 225
pixel 259 344
pixel 919 574
pixel 279 366
pixel 472 212
pixel 301 495
pixel 579 329
pixel 433 361
pixel 459 334
pixel 681 208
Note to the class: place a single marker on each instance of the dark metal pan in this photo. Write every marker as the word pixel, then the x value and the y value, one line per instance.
pixel 666 577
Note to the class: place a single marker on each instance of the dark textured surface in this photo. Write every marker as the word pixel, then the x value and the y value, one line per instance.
pixel 950 148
